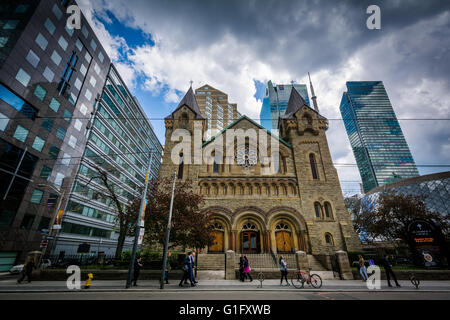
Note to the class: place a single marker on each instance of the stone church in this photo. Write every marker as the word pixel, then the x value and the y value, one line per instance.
pixel 297 207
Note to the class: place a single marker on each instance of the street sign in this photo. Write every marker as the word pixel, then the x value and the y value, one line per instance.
pixel 56 227
pixel 49 237
pixel 44 231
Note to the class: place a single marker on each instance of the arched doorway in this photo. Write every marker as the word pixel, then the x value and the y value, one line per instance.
pixel 283 237
pixel 218 242
pixel 250 238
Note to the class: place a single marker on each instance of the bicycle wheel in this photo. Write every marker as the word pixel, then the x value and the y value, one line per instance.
pixel 297 281
pixel 316 281
pixel 414 281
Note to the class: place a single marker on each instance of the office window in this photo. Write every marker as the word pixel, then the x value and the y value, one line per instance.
pixel 48 74
pixel 60 133
pixel 67 115
pixel 79 45
pixel 44 223
pixel 83 70
pixel 46 172
pixel 53 153
pixel 36 197
pixel 59 179
pixel 3 41
pixel 21 133
pixel 88 57
pixel 27 221
pixel 58 13
pixel 92 81
pixel 63 43
pixel 88 94
pixel 56 58
pixel 49 26
pixel 52 199
pixel 78 124
pixel 3 121
pixel 72 142
pixel 40 92
pixel 67 74
pixel 47 124
pixel 38 143
pixel 33 58
pixel 17 103
pixel 10 24
pixel 23 77
pixel 72 98
pixel 101 57
pixel 97 69
pixel 85 31
pixel 93 45
pixel 83 109
pixel 54 105
pixel 69 31
pixel 65 160
pixel 22 8
pixel 78 83
pixel 41 41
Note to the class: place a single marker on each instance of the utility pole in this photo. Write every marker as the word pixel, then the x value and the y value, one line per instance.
pixel 139 224
pixel 166 245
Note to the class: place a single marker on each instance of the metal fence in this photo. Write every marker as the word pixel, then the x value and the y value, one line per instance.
pixel 78 259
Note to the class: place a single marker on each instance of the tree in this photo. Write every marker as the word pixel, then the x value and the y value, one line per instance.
pixel 126 214
pixel 388 217
pixel 189 227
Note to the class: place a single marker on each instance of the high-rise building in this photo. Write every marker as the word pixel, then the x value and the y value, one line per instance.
pixel 378 144
pixel 214 106
pixel 51 78
pixel 275 102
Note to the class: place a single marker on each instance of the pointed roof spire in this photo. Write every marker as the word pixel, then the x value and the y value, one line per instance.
pixel 313 95
pixel 296 101
pixel 189 101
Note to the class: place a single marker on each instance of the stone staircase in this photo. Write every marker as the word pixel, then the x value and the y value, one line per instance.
pixel 315 264
pixel 211 261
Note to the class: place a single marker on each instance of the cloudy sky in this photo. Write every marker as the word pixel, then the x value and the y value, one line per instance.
pixel 237 46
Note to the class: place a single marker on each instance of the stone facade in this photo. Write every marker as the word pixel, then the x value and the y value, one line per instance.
pixel 298 206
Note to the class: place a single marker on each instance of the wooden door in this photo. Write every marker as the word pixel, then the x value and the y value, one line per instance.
pixel 218 243
pixel 284 241
pixel 250 242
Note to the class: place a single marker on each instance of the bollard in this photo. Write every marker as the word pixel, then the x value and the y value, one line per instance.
pixel 87 285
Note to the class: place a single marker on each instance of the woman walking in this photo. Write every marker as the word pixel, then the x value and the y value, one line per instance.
pixel 362 268
pixel 247 269
pixel 187 271
pixel 284 271
pixel 27 270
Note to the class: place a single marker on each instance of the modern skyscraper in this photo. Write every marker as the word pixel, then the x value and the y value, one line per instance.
pixel 214 106
pixel 275 103
pixel 51 78
pixel 378 144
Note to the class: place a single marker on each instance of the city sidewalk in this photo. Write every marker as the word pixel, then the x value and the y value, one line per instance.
pixel 10 285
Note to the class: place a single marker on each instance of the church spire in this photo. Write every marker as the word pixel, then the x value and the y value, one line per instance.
pixel 313 96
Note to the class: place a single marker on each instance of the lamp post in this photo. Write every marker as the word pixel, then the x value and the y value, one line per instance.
pixel 138 224
pixel 166 245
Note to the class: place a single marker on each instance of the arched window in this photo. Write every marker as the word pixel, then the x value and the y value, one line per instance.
pixel 312 162
pixel 328 213
pixel 184 119
pixel 249 226
pixel 180 167
pixel 329 239
pixel 318 210
pixel 282 226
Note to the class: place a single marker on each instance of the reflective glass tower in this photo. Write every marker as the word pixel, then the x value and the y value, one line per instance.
pixel 378 144
pixel 275 102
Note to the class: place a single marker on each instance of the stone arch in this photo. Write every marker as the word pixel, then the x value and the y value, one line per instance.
pixel 328 208
pixel 221 215
pixel 250 240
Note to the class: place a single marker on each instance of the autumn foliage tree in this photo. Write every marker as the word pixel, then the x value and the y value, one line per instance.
pixel 189 227
pixel 388 217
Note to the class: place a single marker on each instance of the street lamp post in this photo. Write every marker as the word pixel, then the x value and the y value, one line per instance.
pixel 138 224
pixel 166 245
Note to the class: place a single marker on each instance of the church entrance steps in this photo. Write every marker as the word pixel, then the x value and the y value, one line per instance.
pixel 210 275
pixel 315 264
pixel 211 261
pixel 268 261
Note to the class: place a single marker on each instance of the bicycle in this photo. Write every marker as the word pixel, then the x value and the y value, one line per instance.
pixel 414 280
pixel 298 279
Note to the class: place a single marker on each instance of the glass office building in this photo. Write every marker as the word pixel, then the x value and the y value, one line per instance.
pixel 275 102
pixel 378 144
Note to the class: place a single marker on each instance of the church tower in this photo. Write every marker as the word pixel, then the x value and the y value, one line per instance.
pixel 329 221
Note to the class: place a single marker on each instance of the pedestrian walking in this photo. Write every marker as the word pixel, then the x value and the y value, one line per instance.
pixel 168 268
pixel 137 269
pixel 362 268
pixel 186 271
pixel 27 270
pixel 241 268
pixel 284 271
pixel 247 269
pixel 388 268
pixel 193 267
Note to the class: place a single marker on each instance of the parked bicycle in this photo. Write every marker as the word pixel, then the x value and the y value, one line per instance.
pixel 298 279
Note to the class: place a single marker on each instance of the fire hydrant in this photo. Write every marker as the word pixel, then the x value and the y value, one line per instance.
pixel 87 285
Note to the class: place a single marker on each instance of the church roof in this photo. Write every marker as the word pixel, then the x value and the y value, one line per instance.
pixel 189 101
pixel 296 102
pixel 251 121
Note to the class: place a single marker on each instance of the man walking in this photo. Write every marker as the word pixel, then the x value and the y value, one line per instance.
pixel 187 271
pixel 27 270
pixel 388 268
pixel 193 267
pixel 137 268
